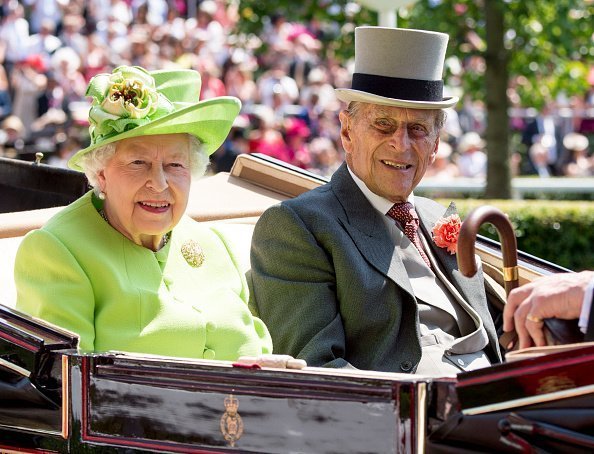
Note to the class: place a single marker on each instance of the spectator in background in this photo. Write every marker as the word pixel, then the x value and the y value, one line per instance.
pixel 304 54
pixel 205 21
pixel 443 167
pixel 264 137
pixel 138 49
pixel 276 32
pixel 275 83
pixel 5 100
pixel 539 156
pixel 296 135
pixel 29 82
pixel 66 65
pixel 544 128
pixel 325 158
pixel 578 162
pixel 212 85
pixel 239 80
pixel 120 10
pixel 115 34
pixel 71 35
pixel 472 115
pixel 65 150
pixel 49 130
pixel 12 133
pixel 44 12
pixel 227 13
pixel 98 12
pixel 96 60
pixel 472 159
pixel 316 97
pixel 150 12
pixel 235 144
pixel 452 130
pixel 44 43
pixel 14 37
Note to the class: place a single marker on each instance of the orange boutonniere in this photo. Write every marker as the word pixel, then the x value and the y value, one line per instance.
pixel 446 231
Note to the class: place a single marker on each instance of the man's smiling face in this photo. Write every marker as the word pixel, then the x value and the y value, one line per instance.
pixel 389 148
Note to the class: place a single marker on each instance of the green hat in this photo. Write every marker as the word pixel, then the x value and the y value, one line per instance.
pixel 132 102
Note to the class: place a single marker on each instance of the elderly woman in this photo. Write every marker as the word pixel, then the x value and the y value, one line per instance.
pixel 122 266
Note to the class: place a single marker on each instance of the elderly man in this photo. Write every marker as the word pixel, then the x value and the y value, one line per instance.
pixel 349 275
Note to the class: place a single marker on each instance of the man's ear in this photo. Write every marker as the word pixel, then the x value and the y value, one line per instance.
pixel 434 152
pixel 345 131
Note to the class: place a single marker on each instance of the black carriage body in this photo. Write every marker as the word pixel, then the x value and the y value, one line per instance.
pixel 57 400
pixel 124 403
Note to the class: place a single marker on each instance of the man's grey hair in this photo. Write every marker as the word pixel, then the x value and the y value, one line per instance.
pixel 354 108
pixel 96 160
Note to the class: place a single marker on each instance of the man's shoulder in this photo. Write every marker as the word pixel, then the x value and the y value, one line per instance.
pixel 429 204
pixel 311 207
pixel 322 194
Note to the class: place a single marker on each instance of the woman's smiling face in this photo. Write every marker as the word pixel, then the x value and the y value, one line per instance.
pixel 389 148
pixel 146 185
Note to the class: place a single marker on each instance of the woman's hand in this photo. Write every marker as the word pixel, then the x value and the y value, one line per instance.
pixel 275 361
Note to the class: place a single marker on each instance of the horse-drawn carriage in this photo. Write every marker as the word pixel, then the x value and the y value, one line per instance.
pixel 54 398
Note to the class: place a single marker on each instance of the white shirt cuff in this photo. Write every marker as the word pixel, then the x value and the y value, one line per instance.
pixel 586 306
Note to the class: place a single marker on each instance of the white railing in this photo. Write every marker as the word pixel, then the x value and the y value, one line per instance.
pixel 520 186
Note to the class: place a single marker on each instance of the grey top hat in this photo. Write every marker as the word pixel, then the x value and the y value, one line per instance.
pixel 398 67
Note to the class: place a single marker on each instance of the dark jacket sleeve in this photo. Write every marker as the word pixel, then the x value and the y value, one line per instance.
pixel 293 290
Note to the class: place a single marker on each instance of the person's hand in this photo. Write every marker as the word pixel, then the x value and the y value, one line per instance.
pixel 555 296
pixel 271 360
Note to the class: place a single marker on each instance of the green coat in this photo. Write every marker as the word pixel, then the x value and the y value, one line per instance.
pixel 79 273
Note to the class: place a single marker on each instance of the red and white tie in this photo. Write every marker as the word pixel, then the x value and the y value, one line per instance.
pixel 406 215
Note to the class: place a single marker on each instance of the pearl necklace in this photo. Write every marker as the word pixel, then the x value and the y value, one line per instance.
pixel 165 237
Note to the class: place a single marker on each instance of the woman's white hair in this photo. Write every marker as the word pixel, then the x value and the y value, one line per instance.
pixel 95 161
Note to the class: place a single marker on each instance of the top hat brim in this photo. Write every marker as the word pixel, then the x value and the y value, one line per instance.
pixel 210 121
pixel 348 95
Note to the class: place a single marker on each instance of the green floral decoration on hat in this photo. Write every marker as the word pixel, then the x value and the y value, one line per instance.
pixel 123 100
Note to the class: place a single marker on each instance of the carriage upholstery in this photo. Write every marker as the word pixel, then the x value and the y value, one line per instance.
pixel 27 185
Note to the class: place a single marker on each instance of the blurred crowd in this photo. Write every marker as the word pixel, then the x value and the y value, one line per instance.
pixel 50 49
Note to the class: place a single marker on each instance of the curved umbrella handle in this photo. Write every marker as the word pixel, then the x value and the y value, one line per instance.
pixel 467 238
pixel 557 331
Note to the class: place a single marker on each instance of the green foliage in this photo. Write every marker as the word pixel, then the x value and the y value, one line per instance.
pixel 548 43
pixel 336 19
pixel 559 232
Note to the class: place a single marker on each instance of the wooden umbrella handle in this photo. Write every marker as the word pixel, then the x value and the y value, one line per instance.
pixel 556 331
pixel 466 241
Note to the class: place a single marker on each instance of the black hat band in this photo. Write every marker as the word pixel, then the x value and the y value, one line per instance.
pixel 399 88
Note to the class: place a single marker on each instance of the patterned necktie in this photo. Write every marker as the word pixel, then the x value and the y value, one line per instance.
pixel 407 216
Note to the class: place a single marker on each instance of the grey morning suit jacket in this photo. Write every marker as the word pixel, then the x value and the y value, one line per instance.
pixel 329 284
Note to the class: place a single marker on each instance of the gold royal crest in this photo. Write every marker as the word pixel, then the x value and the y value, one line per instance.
pixel 231 423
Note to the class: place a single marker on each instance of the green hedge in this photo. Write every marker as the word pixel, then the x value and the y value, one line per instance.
pixel 561 232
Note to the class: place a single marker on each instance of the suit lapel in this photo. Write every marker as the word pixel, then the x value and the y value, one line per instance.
pixel 367 229
pixel 472 289
pixel 428 217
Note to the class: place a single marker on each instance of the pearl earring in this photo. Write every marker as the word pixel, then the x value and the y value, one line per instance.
pixel 101 195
